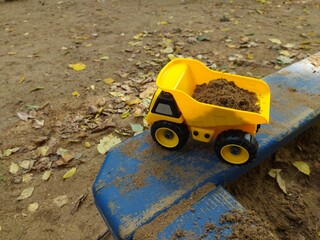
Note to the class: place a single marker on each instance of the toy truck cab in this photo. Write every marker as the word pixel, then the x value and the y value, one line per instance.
pixel 174 114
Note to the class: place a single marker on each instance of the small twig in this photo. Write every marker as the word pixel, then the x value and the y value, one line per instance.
pixel 104 235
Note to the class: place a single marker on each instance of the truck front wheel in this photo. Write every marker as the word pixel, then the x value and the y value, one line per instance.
pixel 236 146
pixel 169 135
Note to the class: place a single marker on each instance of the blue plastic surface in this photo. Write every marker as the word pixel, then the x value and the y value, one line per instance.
pixel 138 180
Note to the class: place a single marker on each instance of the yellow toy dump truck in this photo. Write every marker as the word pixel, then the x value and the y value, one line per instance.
pixel 174 113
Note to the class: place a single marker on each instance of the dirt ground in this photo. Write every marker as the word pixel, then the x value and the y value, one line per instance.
pixel 54 111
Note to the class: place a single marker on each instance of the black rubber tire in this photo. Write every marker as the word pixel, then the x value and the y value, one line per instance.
pixel 181 130
pixel 236 137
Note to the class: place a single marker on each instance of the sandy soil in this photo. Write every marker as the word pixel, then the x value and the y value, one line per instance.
pixel 52 117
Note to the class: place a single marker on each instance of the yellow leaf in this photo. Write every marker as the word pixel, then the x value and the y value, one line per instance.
pixel 42 151
pixel 139 43
pixel 133 101
pixel 224 29
pixel 32 207
pixel 138 36
pixel 275 173
pixel 27 178
pixel 107 142
pixel 36 89
pixel 70 173
pixel 116 94
pixel 46 175
pixel 281 183
pixel 171 56
pixel 250 56
pixel 275 41
pixel 77 66
pixel 125 114
pixel 302 167
pixel 163 23
pixel 22 78
pixel 75 93
pixel 87 144
pixel 14 168
pixel 108 81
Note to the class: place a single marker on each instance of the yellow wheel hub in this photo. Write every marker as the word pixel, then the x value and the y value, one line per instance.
pixel 167 138
pixel 234 153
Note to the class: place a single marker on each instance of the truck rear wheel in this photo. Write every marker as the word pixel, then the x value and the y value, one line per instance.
pixel 169 135
pixel 236 146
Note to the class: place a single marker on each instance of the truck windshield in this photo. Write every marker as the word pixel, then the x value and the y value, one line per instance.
pixel 166 105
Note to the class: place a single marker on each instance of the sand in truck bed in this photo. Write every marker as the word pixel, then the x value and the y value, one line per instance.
pixel 226 94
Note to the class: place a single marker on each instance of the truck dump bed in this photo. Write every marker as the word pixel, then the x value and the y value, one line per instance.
pixel 180 77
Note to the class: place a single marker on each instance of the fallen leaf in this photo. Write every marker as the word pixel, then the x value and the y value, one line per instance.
pixel 147 93
pixel 46 175
pixel 302 167
pixel 275 41
pixel 61 151
pixel 275 173
pixel 27 178
pixel 136 127
pixel 22 78
pixel 167 50
pixel 125 114
pixel 70 173
pixel 75 93
pixel 38 123
pixel 116 94
pixel 138 112
pixel 14 168
pixel 289 45
pixel 77 66
pixel 285 53
pixel 284 60
pixel 104 58
pixel 9 151
pixel 133 101
pixel 171 56
pixel 36 89
pixel 42 151
pixel 60 201
pixel 203 38
pixel 32 207
pixel 25 164
pixel 67 156
pixel 163 23
pixel 108 81
pixel 78 203
pixel 249 56
pixel 139 43
pixel 26 193
pixel 23 116
pixel 107 142
pixel 87 144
